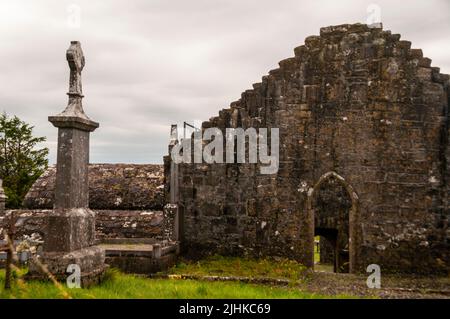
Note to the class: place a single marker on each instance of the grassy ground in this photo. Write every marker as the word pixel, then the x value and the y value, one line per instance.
pixel 122 286
pixel 242 267
pixel 304 284
pixel 316 251
pixel 323 281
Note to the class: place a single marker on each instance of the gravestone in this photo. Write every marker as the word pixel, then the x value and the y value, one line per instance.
pixel 70 228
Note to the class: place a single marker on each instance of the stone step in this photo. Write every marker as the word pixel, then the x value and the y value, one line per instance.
pixel 126 241
pixel 128 250
pixel 141 258
pixel 155 250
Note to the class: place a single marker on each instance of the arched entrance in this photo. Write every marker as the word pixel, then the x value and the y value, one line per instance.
pixel 332 206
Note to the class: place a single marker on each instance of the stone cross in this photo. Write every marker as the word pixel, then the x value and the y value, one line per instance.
pixel 73 140
pixel 76 61
pixel 74 109
pixel 70 227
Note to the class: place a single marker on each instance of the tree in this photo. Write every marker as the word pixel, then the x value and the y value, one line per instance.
pixel 21 162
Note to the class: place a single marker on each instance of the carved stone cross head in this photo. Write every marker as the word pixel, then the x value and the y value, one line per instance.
pixel 76 61
pixel 73 116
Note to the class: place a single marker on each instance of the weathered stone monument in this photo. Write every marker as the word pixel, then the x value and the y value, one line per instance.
pixel 70 228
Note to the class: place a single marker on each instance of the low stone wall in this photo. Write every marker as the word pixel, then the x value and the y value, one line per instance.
pixel 129 224
pixel 109 223
pixel 111 186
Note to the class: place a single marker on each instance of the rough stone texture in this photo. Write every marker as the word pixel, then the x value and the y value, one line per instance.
pixel 90 259
pixel 108 224
pixel 68 230
pixel 28 222
pixel 170 227
pixel 111 186
pixel 129 224
pixel 356 106
pixel 71 182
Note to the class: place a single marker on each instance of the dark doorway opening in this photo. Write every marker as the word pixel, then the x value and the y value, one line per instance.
pixel 331 207
pixel 332 255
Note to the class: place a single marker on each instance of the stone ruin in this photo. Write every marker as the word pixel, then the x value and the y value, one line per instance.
pixel 364 160
pixel 364 155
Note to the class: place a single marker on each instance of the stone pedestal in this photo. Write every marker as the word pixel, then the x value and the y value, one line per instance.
pixel 70 228
pixel 91 261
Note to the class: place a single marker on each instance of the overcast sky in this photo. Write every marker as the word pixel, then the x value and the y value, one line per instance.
pixel 151 63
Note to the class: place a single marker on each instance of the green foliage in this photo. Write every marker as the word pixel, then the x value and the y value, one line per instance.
pixel 280 268
pixel 21 162
pixel 123 286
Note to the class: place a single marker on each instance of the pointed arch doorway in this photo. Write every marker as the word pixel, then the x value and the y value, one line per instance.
pixel 333 212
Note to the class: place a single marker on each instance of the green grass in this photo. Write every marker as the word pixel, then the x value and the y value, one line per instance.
pixel 122 286
pixel 318 266
pixel 316 251
pixel 242 267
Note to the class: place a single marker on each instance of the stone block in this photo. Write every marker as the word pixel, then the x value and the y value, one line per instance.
pixel 91 261
pixel 69 229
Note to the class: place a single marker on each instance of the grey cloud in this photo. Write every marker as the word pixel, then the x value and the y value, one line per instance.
pixel 153 63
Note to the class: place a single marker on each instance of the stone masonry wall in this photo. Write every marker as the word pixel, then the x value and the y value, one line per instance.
pixel 111 186
pixel 108 223
pixel 128 200
pixel 357 101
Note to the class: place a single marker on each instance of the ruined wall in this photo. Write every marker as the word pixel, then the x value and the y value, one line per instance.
pixel 111 186
pixel 108 223
pixel 128 200
pixel 357 101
